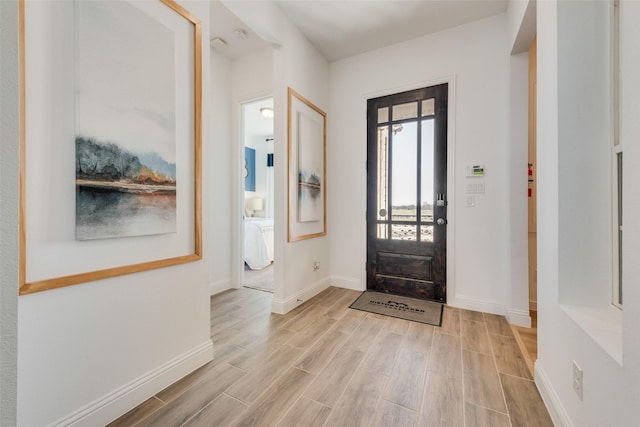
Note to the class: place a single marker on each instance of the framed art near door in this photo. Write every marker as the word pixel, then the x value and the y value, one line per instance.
pixel 307 216
pixel 111 140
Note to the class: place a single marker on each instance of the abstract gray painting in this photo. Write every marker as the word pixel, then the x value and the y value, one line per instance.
pixel 125 123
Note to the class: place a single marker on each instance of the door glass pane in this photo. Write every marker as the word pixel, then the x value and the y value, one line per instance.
pixel 383 169
pixel 427 167
pixel 405 111
pixel 428 107
pixel 383 115
pixel 426 233
pixel 619 160
pixel 403 232
pixel 404 173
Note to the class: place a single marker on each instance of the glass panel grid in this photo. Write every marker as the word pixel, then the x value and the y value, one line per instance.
pixel 426 233
pixel 405 111
pixel 427 170
pixel 403 232
pixel 383 231
pixel 400 159
pixel 404 174
pixel 383 172
pixel 426 213
pixel 619 284
pixel 383 115
pixel 428 107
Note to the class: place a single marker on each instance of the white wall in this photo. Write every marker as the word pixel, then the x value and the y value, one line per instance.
pixel 219 167
pixel 629 134
pixel 521 24
pixel 252 77
pixel 476 56
pixel 574 322
pixel 584 150
pixel 88 353
pixel 9 187
pixel 297 64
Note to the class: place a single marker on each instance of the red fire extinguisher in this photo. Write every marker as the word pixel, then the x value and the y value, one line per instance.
pixel 530 174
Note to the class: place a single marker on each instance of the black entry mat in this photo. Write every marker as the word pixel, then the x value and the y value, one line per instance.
pixel 416 310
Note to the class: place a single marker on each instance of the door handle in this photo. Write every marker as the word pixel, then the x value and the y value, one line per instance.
pixel 441 221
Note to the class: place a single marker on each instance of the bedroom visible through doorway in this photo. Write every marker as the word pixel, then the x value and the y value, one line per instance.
pixel 258 194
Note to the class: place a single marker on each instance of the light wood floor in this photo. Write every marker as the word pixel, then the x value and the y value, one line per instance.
pixel 261 280
pixel 528 340
pixel 324 364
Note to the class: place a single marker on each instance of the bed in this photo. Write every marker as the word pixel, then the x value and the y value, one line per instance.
pixel 258 242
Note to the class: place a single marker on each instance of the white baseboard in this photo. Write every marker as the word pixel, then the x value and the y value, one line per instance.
pixel 280 306
pixel 476 305
pixel 519 318
pixel 347 283
pixel 219 286
pixel 550 398
pixel 120 401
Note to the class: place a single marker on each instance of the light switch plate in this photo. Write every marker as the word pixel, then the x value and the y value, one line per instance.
pixel 475 188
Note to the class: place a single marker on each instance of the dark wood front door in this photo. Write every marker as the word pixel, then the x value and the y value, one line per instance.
pixel 407 193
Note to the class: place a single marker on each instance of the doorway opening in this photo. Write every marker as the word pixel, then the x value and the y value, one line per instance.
pixel 407 193
pixel 528 337
pixel 258 194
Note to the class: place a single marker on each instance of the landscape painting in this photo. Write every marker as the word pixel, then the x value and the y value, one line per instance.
pixel 125 123
pixel 307 181
pixel 310 168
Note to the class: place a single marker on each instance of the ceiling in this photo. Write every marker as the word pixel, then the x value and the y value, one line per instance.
pixel 257 126
pixel 343 28
pixel 223 25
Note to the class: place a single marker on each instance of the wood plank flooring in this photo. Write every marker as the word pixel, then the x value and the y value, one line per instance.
pixel 261 280
pixel 528 340
pixel 325 365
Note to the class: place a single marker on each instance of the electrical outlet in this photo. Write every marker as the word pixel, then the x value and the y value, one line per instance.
pixel 316 265
pixel 577 379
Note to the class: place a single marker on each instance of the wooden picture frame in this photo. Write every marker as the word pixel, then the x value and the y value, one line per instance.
pixel 307 170
pixel 50 257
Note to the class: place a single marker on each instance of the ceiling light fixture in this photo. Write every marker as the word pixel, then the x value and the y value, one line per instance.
pixel 267 112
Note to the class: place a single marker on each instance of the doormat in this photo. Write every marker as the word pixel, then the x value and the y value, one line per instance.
pixel 416 310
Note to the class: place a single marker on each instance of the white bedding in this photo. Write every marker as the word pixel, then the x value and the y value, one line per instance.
pixel 258 242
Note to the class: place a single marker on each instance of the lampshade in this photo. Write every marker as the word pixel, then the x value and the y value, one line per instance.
pixel 256 204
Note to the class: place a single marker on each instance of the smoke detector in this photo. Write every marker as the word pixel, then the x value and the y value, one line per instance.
pixel 240 33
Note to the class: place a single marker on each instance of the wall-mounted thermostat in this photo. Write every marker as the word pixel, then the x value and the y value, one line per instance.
pixel 475 170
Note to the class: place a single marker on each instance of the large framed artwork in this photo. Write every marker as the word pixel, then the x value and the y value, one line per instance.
pixel 110 162
pixel 307 168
